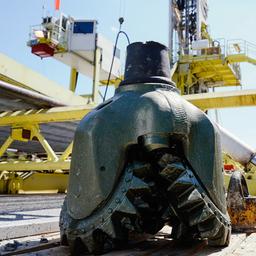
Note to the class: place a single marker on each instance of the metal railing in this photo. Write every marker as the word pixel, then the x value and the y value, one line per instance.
pixel 239 46
pixel 218 47
pixel 56 34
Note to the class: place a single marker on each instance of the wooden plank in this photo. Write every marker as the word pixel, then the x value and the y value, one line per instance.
pixel 57 251
pixel 161 245
pixel 30 243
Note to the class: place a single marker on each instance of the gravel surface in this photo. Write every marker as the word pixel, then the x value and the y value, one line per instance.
pixel 10 203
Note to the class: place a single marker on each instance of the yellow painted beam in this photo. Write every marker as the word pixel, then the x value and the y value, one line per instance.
pixel 56 114
pixel 96 74
pixel 67 152
pixel 218 100
pixel 235 58
pixel 215 58
pixel 73 79
pixel 34 166
pixel 17 74
pixel 6 145
pixel 51 156
pixel 38 183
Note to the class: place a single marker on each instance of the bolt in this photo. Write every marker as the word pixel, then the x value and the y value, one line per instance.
pixel 117 200
pixel 110 210
pixel 102 168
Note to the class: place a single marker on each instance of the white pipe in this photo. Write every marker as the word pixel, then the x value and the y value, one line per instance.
pixel 238 150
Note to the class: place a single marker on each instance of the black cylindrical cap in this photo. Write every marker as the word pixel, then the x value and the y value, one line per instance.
pixel 147 63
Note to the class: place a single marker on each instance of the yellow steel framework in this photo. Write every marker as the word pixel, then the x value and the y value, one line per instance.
pixel 241 51
pixel 218 100
pixel 39 175
pixel 214 66
pixel 30 121
pixel 33 116
pixel 19 75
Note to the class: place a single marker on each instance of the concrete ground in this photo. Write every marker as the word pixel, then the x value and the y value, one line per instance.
pixel 26 215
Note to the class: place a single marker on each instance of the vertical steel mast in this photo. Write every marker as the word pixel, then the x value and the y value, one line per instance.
pixel 187 23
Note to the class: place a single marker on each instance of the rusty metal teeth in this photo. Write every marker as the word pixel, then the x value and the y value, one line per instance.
pixel 241 206
pixel 126 212
pixel 197 214
pixel 140 205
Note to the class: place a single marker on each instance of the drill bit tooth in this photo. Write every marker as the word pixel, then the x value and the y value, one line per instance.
pixel 90 244
pixel 180 185
pixel 220 239
pixel 140 203
pixel 172 171
pixel 77 246
pixel 186 192
pixel 190 201
pixel 109 229
pixel 98 242
pixel 138 184
pixel 200 215
pixel 127 207
pixel 140 170
pixel 196 212
pixel 209 228
pixel 179 231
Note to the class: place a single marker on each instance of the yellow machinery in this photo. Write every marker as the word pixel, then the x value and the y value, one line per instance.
pixel 35 173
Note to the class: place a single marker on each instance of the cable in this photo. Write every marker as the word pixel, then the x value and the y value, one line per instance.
pixel 121 20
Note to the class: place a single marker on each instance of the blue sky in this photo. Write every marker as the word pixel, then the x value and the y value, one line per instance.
pixel 144 20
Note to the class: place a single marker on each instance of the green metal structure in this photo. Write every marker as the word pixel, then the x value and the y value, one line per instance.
pixel 143 159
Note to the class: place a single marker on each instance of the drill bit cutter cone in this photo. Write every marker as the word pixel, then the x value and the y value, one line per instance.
pixel 143 159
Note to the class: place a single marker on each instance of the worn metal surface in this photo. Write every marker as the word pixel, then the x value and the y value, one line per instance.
pixel 147 157
pixel 147 110
pixel 241 206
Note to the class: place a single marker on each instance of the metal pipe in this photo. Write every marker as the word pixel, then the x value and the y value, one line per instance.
pixel 29 96
pixel 238 150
